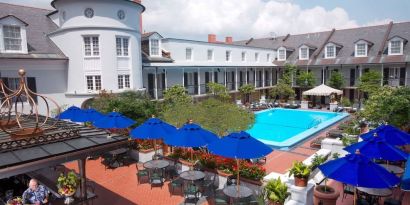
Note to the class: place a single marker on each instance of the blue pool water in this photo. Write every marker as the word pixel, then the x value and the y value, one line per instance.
pixel 283 128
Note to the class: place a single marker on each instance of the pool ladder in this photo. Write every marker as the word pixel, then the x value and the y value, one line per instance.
pixel 315 122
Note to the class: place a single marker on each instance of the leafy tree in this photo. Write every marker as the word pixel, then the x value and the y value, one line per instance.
pixel 246 90
pixel 336 80
pixel 283 91
pixel 219 91
pixel 133 104
pixel 305 79
pixel 212 114
pixel 288 73
pixel 391 105
pixel 370 82
pixel 176 94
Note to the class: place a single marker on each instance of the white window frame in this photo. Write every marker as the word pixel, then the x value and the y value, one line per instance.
pixel 191 55
pixel 228 56
pixel 356 50
pixel 279 54
pixel 390 46
pixel 122 47
pixel 123 85
pixel 243 56
pixel 94 84
pixel 326 51
pixel 300 53
pixel 256 57
pixel 13 21
pixel 92 46
pixel 210 51
pixel 150 47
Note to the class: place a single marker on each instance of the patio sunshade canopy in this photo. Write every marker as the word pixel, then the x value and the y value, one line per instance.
pixel 322 90
pixel 391 134
pixel 405 183
pixel 153 128
pixel 114 120
pixel 191 135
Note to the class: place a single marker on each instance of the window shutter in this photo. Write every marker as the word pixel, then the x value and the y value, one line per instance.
pixel 385 76
pixel 185 79
pixel 31 83
pixel 402 76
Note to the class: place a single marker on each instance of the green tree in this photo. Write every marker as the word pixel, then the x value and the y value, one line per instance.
pixel 391 105
pixel 370 82
pixel 283 91
pixel 305 79
pixel 336 80
pixel 288 74
pixel 176 94
pixel 246 90
pixel 133 104
pixel 219 91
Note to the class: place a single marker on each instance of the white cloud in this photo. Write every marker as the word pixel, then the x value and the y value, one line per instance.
pixel 241 19
pixel 378 22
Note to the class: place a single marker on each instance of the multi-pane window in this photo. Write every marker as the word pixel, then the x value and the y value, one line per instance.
pixel 395 47
pixel 188 53
pixel 330 51
pixel 154 49
pixel 361 49
pixel 303 53
pixel 210 54
pixel 93 82
pixel 123 81
pixel 267 57
pixel 122 46
pixel 243 56
pixel 228 55
pixel 256 57
pixel 12 38
pixel 281 54
pixel 91 46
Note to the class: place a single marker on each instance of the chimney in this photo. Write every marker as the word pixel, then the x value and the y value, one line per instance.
pixel 211 38
pixel 228 40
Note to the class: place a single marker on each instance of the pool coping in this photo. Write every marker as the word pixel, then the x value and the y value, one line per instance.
pixel 305 134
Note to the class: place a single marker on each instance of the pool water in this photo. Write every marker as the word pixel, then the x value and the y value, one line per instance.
pixel 283 128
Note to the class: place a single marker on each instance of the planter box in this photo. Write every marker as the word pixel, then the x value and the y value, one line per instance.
pixel 185 165
pixel 146 155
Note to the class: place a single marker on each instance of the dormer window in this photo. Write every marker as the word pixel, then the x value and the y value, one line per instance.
pixel 12 38
pixel 154 47
pixel 396 47
pixel 361 50
pixel 330 51
pixel 303 53
pixel 281 54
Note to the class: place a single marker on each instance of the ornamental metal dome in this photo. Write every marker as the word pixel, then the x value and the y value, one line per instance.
pixel 19 110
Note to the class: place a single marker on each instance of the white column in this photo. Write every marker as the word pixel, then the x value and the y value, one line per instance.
pixel 199 82
pixel 166 79
pixel 246 75
pixel 225 76
pixel 263 77
pixel 254 78
pixel 156 83
pixel 236 78
pixel 213 75
pixel 183 79
pixel 382 73
pixel 323 75
pixel 271 77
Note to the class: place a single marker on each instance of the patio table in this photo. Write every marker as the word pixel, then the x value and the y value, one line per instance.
pixel 156 164
pixel 192 175
pixel 232 191
pixel 393 168
pixel 374 195
pixel 116 154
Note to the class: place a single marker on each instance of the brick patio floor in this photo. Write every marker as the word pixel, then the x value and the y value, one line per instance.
pixel 120 186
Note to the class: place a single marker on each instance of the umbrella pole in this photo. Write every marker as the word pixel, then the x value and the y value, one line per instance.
pixel 237 177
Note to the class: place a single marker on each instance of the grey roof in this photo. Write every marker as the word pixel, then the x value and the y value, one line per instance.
pixel 346 38
pixel 38 26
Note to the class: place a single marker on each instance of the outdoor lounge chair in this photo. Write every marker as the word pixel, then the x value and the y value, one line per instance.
pixel 176 183
pixel 191 193
pixel 347 190
pixel 156 178
pixel 141 173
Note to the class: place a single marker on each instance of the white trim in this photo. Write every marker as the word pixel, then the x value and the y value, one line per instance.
pixel 212 54
pixel 366 46
pixel 91 45
pixel 192 54
pixel 334 47
pixel 228 55
pixel 243 56
pixel 279 57
pixel 150 45
pixel 300 53
pixel 401 46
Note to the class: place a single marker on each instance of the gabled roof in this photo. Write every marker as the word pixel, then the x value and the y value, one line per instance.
pixel 39 45
pixel 7 16
pixel 146 35
pixel 368 42
pixel 397 36
pixel 287 48
pixel 308 45
pixel 336 44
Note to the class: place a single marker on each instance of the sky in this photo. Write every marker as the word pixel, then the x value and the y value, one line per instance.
pixel 243 19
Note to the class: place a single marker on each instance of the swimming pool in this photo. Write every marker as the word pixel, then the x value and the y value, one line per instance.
pixel 283 128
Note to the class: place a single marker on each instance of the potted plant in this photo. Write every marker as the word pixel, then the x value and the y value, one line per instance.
pixel 67 186
pixel 325 195
pixel 15 201
pixel 276 192
pixel 301 173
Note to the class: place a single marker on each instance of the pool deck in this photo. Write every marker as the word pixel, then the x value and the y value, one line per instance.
pixel 120 186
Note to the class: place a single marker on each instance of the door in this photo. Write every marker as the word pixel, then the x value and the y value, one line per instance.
pixel 385 76
pixel 352 77
pixel 207 80
pixel 402 76
pixel 151 85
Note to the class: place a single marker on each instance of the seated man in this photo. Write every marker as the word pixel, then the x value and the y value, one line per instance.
pixel 35 194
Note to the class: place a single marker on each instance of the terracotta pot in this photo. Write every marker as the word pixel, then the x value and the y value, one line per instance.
pixel 325 198
pixel 274 203
pixel 301 182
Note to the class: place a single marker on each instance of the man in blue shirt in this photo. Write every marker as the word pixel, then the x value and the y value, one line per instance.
pixel 35 194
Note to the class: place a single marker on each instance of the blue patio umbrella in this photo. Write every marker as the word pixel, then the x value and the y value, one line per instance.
pixel 391 134
pixel 239 145
pixel 153 129
pixel 191 135
pixel 405 180
pixel 359 171
pixel 92 115
pixel 113 120
pixel 377 148
pixel 72 113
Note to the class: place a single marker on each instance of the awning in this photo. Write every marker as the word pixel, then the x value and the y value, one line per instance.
pixel 405 181
pixel 322 90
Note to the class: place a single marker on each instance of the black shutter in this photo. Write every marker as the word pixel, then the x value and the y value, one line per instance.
pixel 196 82
pixel 186 80
pixel 402 76
pixel 31 83
pixel 163 81
pixel 385 76
pixel 216 77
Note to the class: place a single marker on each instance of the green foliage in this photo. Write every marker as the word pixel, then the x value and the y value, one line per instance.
pixel 246 90
pixel 306 79
pixel 391 105
pixel 70 180
pixel 176 94
pixel 219 91
pixel 288 73
pixel 348 140
pixel 335 155
pixel 300 170
pixel 283 91
pixel 212 114
pixel 133 104
pixel 336 80
pixel 370 82
pixel 276 191
pixel 346 102
pixel 317 160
